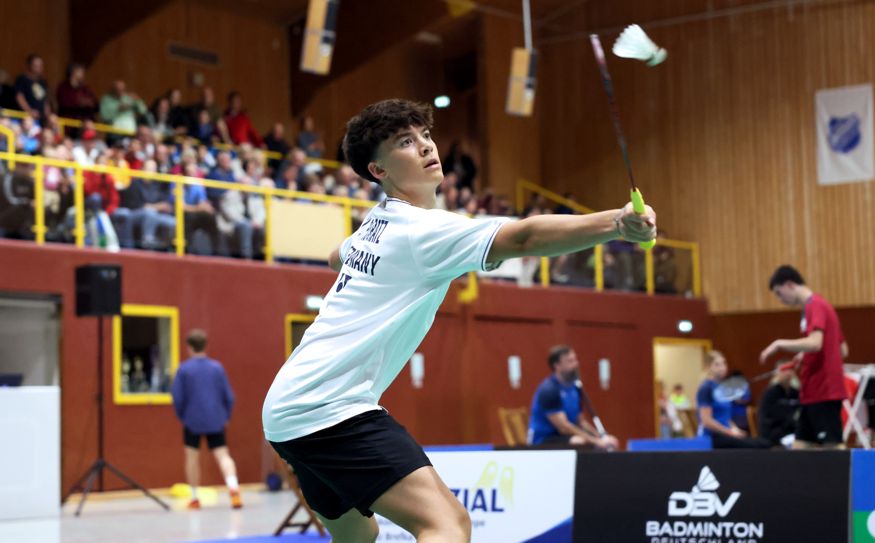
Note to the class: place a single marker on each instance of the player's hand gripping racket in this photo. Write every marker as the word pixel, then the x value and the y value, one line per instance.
pixel 637 198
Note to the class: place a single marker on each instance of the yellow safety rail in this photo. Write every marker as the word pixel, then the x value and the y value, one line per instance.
pixel 64 123
pixel 10 143
pixel 522 186
pixel 42 162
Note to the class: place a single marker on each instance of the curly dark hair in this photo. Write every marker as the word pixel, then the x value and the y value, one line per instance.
pixel 377 123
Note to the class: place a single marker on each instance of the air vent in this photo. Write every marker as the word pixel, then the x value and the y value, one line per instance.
pixel 192 54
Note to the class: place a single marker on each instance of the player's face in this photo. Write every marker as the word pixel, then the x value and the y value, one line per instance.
pixel 568 366
pixel 719 368
pixel 786 293
pixel 410 156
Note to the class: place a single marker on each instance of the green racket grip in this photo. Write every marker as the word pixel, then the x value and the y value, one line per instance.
pixel 638 206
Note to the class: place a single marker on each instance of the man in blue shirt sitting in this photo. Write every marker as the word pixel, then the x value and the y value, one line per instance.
pixel 203 400
pixel 556 415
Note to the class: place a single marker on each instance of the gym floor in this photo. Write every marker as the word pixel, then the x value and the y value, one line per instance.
pixel 130 517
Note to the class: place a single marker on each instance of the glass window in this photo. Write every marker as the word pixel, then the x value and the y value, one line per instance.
pixel 296 325
pixel 145 353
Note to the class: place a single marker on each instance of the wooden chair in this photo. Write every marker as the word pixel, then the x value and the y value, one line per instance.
pixel 514 425
pixel 752 421
pixel 310 519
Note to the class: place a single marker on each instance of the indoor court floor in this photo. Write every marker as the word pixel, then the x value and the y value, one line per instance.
pixel 129 517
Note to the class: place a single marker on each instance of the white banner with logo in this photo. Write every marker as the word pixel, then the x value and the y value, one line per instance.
pixel 845 145
pixel 512 496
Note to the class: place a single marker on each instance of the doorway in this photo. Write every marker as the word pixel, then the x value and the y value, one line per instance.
pixel 678 361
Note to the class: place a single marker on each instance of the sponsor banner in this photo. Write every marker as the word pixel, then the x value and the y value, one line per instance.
pixel 844 135
pixel 863 496
pixel 713 497
pixel 512 496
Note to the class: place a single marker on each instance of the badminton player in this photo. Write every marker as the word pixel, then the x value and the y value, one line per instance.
pixel 322 413
pixel 822 349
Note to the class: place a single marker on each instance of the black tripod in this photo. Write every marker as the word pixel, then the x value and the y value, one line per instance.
pixel 96 470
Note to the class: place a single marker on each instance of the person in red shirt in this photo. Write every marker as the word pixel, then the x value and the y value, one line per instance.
pixel 820 352
pixel 239 124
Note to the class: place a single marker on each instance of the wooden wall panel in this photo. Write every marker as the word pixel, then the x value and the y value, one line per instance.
pixel 37 26
pixel 465 353
pixel 253 59
pixel 722 139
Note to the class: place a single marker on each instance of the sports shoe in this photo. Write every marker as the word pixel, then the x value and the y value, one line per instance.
pixel 236 502
pixel 194 504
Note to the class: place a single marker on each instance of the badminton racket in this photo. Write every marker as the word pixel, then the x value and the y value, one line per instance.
pixel 637 198
pixel 587 404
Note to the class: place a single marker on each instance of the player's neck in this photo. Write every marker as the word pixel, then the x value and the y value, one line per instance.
pixel 425 199
pixel 803 294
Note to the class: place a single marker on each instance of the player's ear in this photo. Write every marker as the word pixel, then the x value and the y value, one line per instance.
pixel 377 171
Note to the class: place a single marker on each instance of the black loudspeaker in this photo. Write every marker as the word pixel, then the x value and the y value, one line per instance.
pixel 98 290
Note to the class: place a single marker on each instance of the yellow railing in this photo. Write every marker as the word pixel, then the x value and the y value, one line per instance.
pixel 79 200
pixel 64 123
pixel 522 186
pixel 10 142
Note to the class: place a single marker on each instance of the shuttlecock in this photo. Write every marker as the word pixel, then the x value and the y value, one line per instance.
pixel 634 43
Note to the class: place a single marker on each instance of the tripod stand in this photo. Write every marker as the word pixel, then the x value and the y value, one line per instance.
pixel 95 472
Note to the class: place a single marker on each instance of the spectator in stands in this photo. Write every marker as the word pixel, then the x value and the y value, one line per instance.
pixel 200 215
pixel 779 405
pixel 146 204
pixel 309 139
pixel 205 159
pixel 121 108
pixel 178 115
pixel 239 124
pixel 32 90
pixel 820 354
pixel 459 161
pixel 556 414
pixel 208 103
pixel 276 141
pixel 28 136
pixel 715 410
pixel 233 223
pixel 664 268
pixel 562 209
pixel 203 401
pixel 159 119
pixel 7 92
pixel 58 196
pixel 75 98
pixel 223 171
pixel 203 129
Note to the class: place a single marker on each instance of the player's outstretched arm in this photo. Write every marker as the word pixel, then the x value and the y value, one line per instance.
pixel 551 235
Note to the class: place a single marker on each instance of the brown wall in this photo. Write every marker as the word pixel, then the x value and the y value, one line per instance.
pixel 242 306
pixel 253 58
pixel 743 336
pixel 722 139
pixel 35 26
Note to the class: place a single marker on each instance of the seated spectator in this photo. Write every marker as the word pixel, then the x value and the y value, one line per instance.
pixel 201 232
pixel 556 414
pixel 309 140
pixel 146 204
pixel 779 405
pixel 239 124
pixel 276 142
pixel 32 90
pixel 28 137
pixel 203 129
pixel 75 98
pixel 715 410
pixel 58 196
pixel 224 171
pixel 205 159
pixel 121 108
pixel 7 92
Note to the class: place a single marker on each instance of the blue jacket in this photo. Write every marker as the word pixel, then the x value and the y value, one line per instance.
pixel 202 395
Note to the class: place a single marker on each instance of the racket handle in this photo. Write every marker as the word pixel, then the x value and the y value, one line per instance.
pixel 638 206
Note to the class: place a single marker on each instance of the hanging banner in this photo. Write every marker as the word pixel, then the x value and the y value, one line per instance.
pixel 844 135
pixel 863 496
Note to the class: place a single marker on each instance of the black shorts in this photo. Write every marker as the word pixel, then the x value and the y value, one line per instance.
pixel 820 422
pixel 193 440
pixel 353 463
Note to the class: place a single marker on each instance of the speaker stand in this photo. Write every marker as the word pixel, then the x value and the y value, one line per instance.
pixel 95 472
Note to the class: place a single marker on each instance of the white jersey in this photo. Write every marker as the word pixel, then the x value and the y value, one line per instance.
pixel 396 271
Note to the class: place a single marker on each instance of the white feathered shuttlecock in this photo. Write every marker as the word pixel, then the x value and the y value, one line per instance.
pixel 634 43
